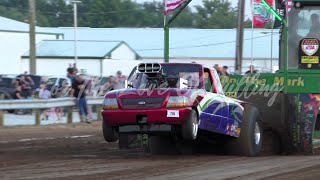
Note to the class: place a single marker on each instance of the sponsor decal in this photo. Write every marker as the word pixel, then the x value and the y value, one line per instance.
pixel 309 59
pixel 310 46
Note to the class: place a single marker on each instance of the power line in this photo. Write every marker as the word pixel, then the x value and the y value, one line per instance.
pixel 197 46
pixel 93 13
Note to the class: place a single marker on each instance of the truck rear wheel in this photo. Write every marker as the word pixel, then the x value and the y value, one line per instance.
pixel 109 133
pixel 317 125
pixel 249 143
pixel 190 128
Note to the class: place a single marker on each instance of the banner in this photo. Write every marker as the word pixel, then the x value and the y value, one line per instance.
pixel 261 15
pixel 171 5
pixel 280 6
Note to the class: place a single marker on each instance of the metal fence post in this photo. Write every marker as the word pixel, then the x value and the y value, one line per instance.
pixel 38 116
pixel 69 120
pixel 1 113
pixel 1 119
pixel 98 110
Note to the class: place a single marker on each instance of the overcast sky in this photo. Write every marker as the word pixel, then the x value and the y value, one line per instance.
pixel 198 2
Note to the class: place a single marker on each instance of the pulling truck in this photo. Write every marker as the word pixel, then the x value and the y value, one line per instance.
pixel 282 107
pixel 176 105
pixel 288 100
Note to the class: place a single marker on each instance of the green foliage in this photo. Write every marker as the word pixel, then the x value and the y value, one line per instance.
pixel 215 14
pixel 121 13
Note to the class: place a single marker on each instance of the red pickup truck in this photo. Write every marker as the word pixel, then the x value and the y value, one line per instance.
pixel 180 101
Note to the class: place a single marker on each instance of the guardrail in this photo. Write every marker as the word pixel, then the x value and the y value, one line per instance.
pixel 39 104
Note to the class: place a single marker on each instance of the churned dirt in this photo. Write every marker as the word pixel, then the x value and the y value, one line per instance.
pixel 79 152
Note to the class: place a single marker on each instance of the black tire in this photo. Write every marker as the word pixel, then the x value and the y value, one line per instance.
pixel 317 125
pixel 190 128
pixel 249 143
pixel 162 145
pixel 110 134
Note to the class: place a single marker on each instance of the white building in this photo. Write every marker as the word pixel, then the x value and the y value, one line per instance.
pixel 93 57
pixel 14 38
pixel 204 46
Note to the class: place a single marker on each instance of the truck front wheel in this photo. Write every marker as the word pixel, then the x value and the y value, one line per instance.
pixel 190 128
pixel 110 134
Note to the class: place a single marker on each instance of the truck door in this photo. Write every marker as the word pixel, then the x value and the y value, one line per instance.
pixel 211 114
pixel 225 106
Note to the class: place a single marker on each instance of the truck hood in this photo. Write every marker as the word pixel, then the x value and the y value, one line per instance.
pixel 144 93
pixel 153 98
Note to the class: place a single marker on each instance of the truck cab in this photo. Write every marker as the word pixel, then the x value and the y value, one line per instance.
pixel 288 100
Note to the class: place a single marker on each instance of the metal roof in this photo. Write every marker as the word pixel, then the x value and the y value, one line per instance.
pixel 148 42
pixel 85 49
pixel 185 43
pixel 10 25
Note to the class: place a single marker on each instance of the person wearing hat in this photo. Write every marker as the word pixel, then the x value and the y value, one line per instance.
pixel 119 81
pixel 224 70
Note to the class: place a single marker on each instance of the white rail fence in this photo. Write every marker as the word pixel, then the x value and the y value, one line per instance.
pixel 41 104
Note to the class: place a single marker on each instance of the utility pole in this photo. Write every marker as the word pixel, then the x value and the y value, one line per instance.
pixel 240 29
pixel 75 21
pixel 32 37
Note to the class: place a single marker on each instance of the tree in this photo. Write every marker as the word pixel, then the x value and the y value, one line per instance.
pixel 121 13
pixel 216 14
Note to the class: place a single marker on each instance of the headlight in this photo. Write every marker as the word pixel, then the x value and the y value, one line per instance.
pixel 110 103
pixel 177 101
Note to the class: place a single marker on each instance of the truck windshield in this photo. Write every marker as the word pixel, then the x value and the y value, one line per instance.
pixel 303 23
pixel 172 76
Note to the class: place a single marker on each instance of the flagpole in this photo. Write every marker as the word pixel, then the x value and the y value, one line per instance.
pixel 272 24
pixel 166 35
pixel 252 28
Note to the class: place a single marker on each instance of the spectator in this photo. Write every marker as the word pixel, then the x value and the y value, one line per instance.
pixel 70 71
pixel 29 81
pixel 224 70
pixel 216 67
pixel 75 69
pixel 90 93
pixel 119 81
pixel 251 70
pixel 106 87
pixel 62 92
pixel 18 89
pixel 78 91
pixel 18 94
pixel 44 93
pixel 25 90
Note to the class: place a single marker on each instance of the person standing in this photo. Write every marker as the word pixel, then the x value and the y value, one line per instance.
pixel 224 71
pixel 78 91
pixel 119 81
pixel 251 70
pixel 44 93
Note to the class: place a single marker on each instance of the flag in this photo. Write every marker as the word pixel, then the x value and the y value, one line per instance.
pixel 261 15
pixel 171 5
pixel 280 6
pixel 290 4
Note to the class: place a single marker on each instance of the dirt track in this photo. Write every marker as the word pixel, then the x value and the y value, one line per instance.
pixel 79 152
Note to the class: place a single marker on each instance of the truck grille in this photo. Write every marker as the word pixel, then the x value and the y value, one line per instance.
pixel 141 103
